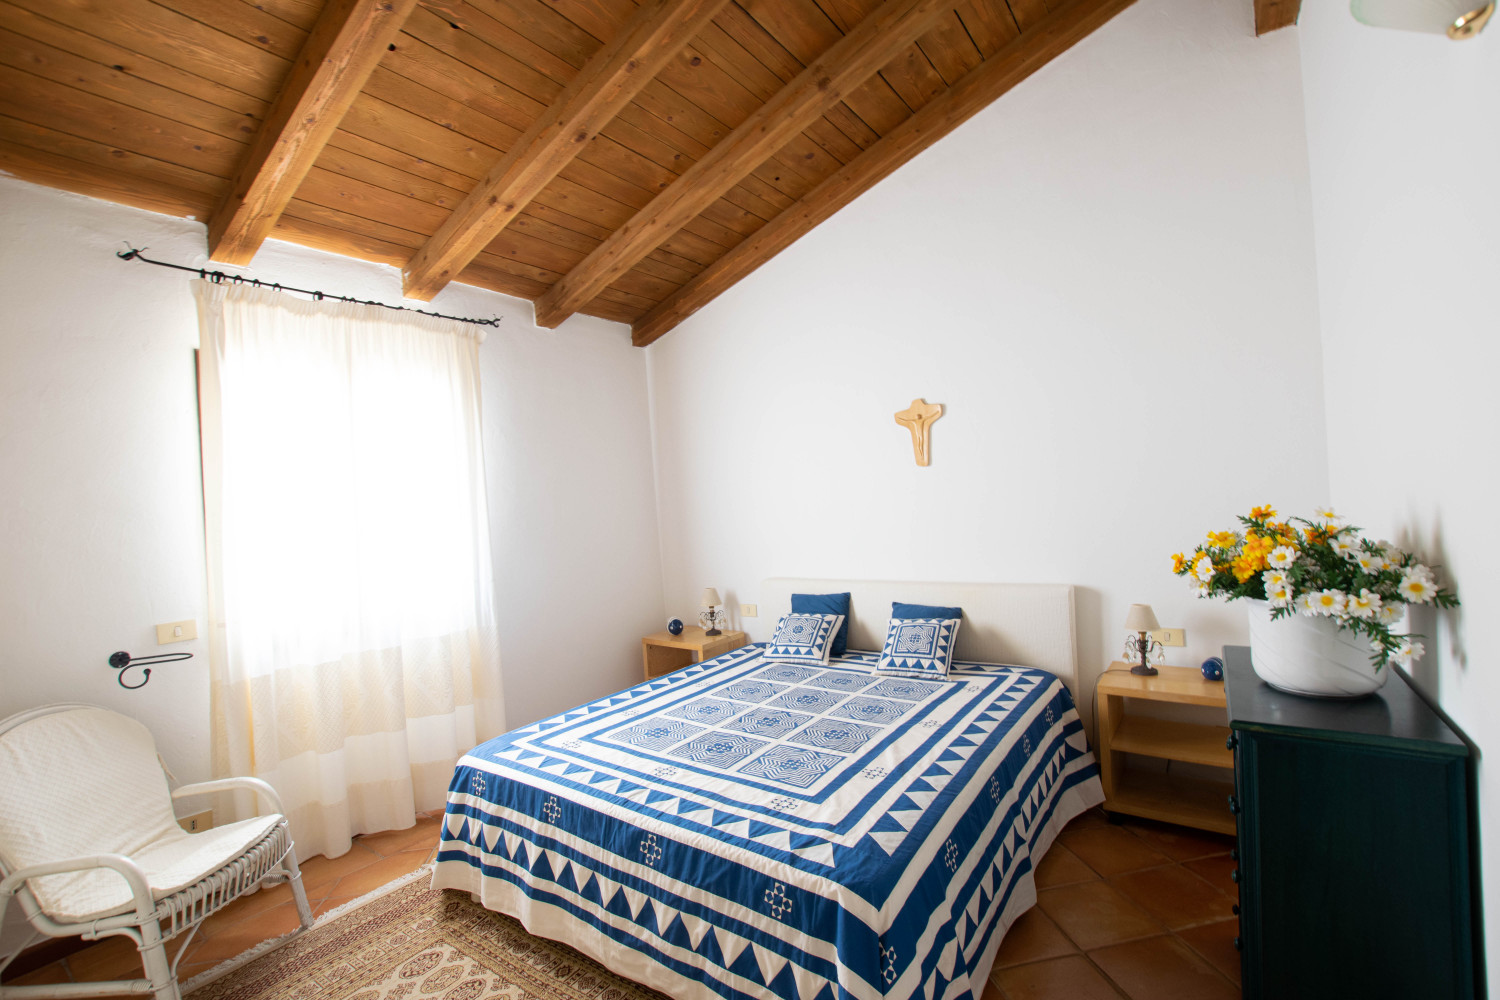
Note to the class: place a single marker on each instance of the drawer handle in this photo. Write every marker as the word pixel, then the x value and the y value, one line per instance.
pixel 1232 742
pixel 1234 854
pixel 1234 876
pixel 1234 805
pixel 1237 945
pixel 1234 908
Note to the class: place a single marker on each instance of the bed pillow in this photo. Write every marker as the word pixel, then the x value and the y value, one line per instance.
pixel 918 647
pixel 803 638
pixel 899 610
pixel 828 604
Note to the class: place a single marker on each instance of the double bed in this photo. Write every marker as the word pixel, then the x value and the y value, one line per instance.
pixel 746 828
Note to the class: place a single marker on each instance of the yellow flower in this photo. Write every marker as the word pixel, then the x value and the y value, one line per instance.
pixel 1179 562
pixel 1262 513
pixel 1223 539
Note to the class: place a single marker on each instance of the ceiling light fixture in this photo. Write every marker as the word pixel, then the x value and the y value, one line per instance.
pixel 1458 19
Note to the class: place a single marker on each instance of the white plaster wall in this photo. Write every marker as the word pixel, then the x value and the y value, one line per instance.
pixel 1404 146
pixel 101 524
pixel 1106 278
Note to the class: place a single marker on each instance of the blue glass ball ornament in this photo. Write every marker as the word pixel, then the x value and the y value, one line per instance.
pixel 674 625
pixel 1213 669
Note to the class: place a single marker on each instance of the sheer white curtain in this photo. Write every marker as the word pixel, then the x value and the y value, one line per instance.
pixel 352 638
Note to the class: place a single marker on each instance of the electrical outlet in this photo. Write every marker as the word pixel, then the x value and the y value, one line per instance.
pixel 197 822
pixel 1170 636
pixel 749 611
pixel 176 632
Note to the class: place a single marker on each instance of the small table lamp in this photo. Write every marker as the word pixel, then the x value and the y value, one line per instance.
pixel 711 602
pixel 1141 620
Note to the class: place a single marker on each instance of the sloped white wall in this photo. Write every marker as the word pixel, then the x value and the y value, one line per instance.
pixel 1404 146
pixel 101 520
pixel 1107 280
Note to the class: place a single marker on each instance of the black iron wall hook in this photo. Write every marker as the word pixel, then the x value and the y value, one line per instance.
pixel 122 661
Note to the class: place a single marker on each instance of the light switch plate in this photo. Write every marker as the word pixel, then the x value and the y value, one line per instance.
pixel 176 632
pixel 749 611
pixel 1170 636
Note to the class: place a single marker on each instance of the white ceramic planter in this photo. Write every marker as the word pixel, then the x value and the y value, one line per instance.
pixel 1311 656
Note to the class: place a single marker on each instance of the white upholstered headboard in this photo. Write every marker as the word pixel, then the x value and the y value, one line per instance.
pixel 1027 624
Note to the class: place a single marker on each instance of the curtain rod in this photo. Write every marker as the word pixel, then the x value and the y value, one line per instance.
pixel 218 277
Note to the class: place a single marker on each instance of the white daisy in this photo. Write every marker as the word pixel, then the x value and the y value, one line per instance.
pixel 1307 605
pixel 1366 604
pixel 1203 569
pixel 1203 590
pixel 1414 589
pixel 1274 578
pixel 1326 515
pixel 1370 563
pixel 1407 652
pixel 1389 614
pixel 1280 595
pixel 1344 545
pixel 1282 556
pixel 1329 602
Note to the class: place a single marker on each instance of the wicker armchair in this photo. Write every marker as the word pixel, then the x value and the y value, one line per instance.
pixel 89 845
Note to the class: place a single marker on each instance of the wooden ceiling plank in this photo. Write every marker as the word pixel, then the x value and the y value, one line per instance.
pixel 1271 15
pixel 1028 13
pixel 892 27
pixel 600 18
pixel 145 69
pixel 341 52
pixel 251 25
pixel 174 38
pixel 989 23
pixel 950 49
pixel 1071 21
pixel 659 29
pixel 77 112
pixel 108 182
pixel 193 185
pixel 101 79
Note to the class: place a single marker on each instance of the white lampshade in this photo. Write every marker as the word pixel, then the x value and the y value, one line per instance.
pixel 1140 618
pixel 1453 18
pixel 711 598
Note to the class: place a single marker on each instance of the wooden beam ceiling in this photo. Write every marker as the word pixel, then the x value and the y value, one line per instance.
pixel 658 31
pixel 878 38
pixel 343 49
pixel 1047 38
pixel 1273 14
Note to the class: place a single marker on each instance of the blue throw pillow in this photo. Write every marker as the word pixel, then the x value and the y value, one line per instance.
pixel 803 638
pixel 899 610
pixel 827 604
pixel 919 647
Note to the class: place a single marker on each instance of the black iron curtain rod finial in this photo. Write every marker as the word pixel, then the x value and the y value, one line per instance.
pixel 219 277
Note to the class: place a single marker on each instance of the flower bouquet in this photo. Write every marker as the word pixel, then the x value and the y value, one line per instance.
pixel 1318 567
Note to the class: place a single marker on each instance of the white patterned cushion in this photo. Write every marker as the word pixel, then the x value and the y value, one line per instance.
pixel 918 647
pixel 803 638
pixel 87 781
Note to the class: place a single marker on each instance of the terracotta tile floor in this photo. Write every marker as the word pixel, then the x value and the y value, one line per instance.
pixel 374 860
pixel 1137 910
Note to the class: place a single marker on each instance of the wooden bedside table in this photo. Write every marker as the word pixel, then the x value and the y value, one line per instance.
pixel 1188 801
pixel 662 652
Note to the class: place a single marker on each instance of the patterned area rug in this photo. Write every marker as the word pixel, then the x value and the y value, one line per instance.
pixel 409 941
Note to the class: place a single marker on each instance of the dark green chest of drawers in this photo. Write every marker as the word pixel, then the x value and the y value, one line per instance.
pixel 1353 844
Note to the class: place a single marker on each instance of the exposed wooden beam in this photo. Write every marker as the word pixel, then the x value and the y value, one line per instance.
pixel 1056 33
pixel 339 55
pixel 1273 14
pixel 878 39
pixel 657 31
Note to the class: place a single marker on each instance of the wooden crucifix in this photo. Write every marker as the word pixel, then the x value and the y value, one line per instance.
pixel 918 418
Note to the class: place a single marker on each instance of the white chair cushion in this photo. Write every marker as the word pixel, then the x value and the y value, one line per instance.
pixel 87 781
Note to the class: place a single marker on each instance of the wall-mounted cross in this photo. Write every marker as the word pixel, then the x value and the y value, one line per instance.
pixel 918 418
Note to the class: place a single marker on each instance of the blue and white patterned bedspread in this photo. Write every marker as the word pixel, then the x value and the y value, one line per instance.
pixel 745 829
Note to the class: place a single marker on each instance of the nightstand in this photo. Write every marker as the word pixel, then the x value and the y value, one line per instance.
pixel 1188 801
pixel 662 652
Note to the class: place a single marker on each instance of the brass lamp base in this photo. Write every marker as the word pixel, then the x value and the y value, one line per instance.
pixel 1471 23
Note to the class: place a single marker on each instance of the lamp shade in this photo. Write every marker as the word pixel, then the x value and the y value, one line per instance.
pixel 711 598
pixel 1455 18
pixel 1140 618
